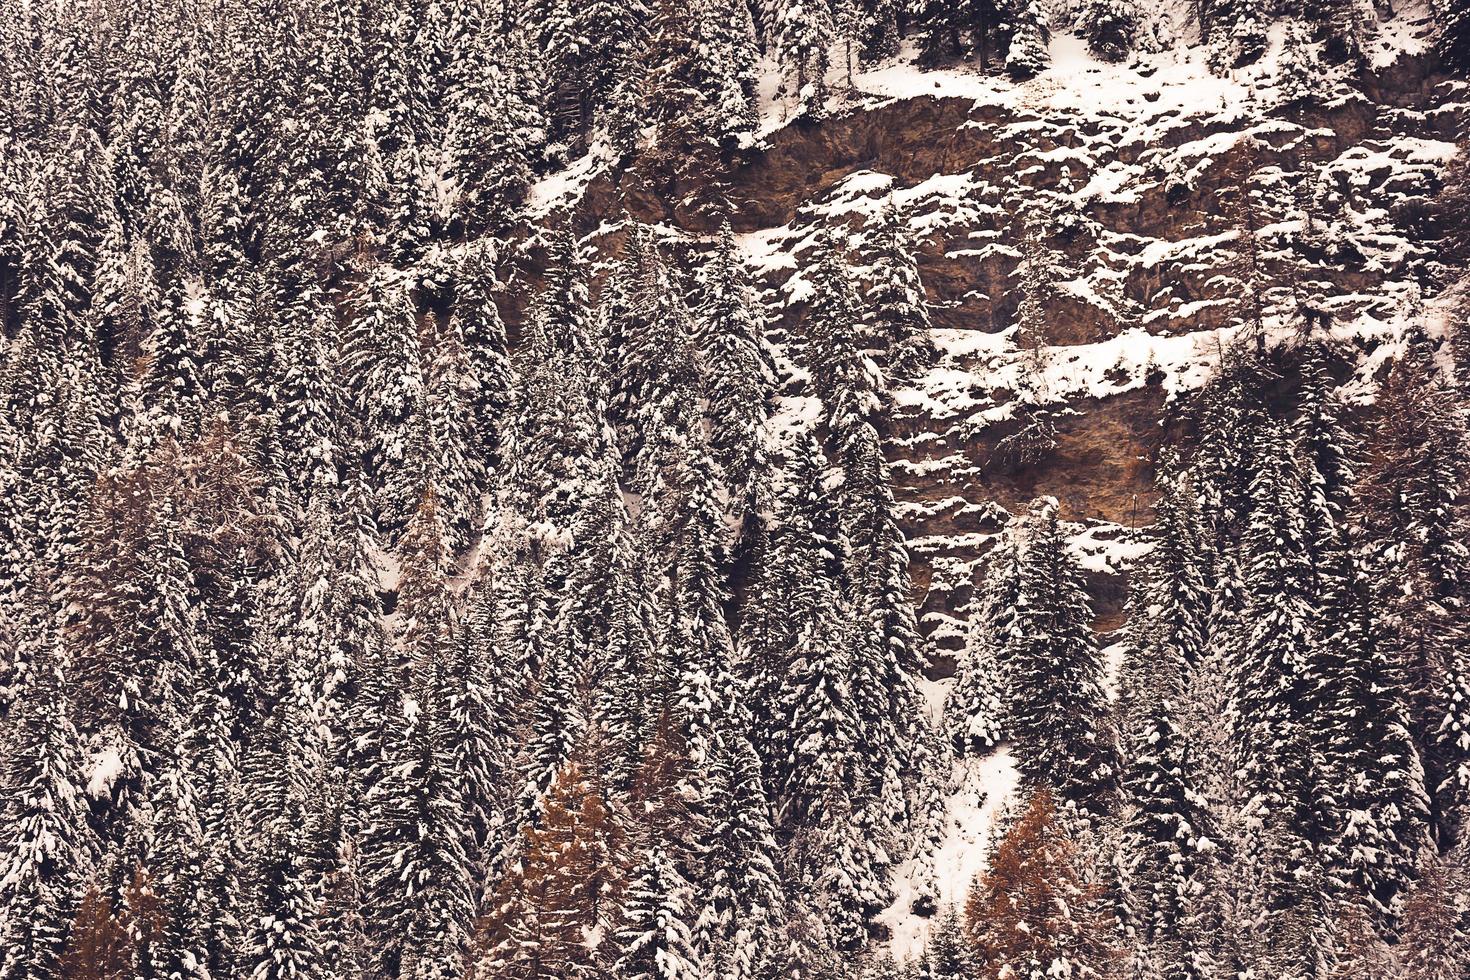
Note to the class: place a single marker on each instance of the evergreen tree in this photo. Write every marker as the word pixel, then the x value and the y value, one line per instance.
pixel 836 342
pixel 1035 435
pixel 492 130
pixel 741 376
pixel 1029 52
pixel 1169 840
pixel 975 711
pixel 1111 27
pixel 1058 713
pixel 416 846
pixel 654 939
pixel 46 846
pixel 1453 24
pixel 1288 801
pixel 900 309
pixel 1411 514
pixel 1235 31
pixel 802 32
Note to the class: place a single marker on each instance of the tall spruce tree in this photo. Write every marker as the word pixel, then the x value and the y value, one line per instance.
pixel 1058 715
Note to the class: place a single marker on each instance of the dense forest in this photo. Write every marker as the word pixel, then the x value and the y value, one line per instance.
pixel 394 583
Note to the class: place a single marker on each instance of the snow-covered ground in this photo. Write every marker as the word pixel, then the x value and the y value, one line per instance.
pixel 982 788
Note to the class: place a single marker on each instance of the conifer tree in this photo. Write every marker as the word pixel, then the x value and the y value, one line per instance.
pixel 384 369
pixel 836 342
pixel 492 142
pixel 1288 797
pixel 900 309
pixel 654 939
pixel 1371 751
pixel 1453 24
pixel 741 376
pixel 878 29
pixel 417 862
pixel 282 940
pixel 975 711
pixel 1028 54
pixel 1111 27
pixel 46 847
pixel 1235 31
pixel 801 32
pixel 1169 839
pixel 135 626
pixel 1058 713
pixel 1413 518
pixel 567 885
pixel 1035 435
pixel 1033 912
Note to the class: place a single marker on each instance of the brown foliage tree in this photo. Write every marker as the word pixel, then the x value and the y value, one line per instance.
pixel 1035 910
pixel 551 907
pixel 98 947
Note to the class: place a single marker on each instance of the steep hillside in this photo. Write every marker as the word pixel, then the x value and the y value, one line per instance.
pixel 1131 173
pixel 1134 176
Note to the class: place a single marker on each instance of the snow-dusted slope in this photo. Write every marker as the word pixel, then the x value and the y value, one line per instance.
pixel 1139 164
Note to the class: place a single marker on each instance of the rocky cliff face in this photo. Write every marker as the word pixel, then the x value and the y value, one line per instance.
pixel 1146 183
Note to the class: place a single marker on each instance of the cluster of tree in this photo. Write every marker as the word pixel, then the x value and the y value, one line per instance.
pixel 1280 784
pixel 339 636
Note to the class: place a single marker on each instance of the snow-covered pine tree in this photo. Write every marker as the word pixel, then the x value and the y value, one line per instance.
pixel 1169 839
pixel 900 308
pixel 1229 413
pixel 1110 26
pixel 1414 520
pixel 173 387
pixel 817 702
pixel 46 847
pixel 282 939
pixel 451 399
pixel 492 130
pixel 1298 73
pixel 1168 604
pixel 744 891
pixel 789 587
pixel 654 938
pixel 557 430
pixel 488 380
pixel 1029 51
pixel 134 620
pixel 1035 434
pixel 1370 750
pixel 836 341
pixel 886 704
pixel 699 88
pixel 740 375
pixel 1289 804
pixel 1432 942
pixel 558 717
pixel 948 952
pixel 878 35
pixel 656 378
pixel 802 32
pixel 417 844
pixel 1235 31
pixel 383 366
pixel 975 710
pixel 1058 716
pixel 1452 21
